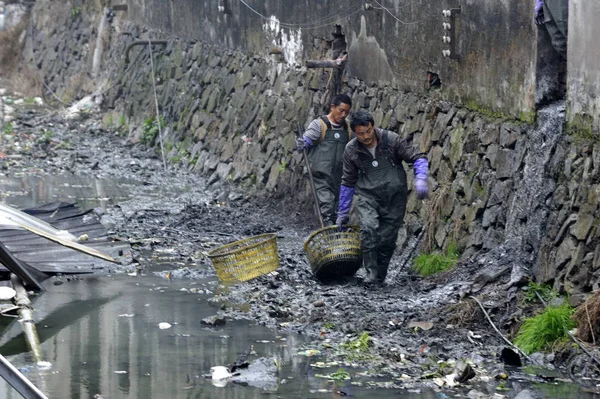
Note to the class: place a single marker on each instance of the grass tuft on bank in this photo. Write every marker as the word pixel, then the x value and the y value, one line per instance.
pixel 542 331
pixel 545 291
pixel 428 264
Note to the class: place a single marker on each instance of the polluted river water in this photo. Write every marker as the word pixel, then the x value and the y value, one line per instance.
pixel 103 335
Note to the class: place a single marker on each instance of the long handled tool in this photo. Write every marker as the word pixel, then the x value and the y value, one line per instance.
pixel 310 177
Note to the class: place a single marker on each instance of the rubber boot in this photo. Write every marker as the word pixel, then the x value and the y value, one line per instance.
pixel 370 262
pixel 381 273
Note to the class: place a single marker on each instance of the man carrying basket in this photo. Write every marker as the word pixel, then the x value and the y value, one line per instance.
pixel 373 170
pixel 325 140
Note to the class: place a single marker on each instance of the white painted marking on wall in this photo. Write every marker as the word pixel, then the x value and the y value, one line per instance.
pixel 289 40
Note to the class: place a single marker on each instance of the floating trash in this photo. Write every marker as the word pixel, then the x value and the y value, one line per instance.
pixel 7 293
pixel 310 352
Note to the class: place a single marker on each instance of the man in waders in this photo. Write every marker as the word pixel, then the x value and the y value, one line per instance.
pixel 373 168
pixel 554 15
pixel 325 140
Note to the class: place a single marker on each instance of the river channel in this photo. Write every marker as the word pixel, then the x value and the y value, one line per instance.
pixel 102 338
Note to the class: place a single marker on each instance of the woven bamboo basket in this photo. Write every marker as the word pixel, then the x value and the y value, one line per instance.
pixel 246 259
pixel 334 254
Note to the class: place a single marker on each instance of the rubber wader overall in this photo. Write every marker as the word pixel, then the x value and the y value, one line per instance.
pixel 556 19
pixel 381 192
pixel 326 162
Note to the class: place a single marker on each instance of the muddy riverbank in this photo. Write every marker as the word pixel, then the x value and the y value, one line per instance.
pixel 414 330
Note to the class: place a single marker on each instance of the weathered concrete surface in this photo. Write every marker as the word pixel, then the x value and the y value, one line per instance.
pixel 495 41
pixel 583 68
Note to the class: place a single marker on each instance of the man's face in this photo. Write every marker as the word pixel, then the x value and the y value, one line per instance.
pixel 366 135
pixel 339 113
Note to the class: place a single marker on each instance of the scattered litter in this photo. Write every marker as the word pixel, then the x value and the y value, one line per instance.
pixel 322 365
pixel 126 315
pixel 220 375
pixel 120 372
pixel 44 365
pixel 7 293
pixel 470 337
pixel 164 325
pixel 423 325
pixel 310 352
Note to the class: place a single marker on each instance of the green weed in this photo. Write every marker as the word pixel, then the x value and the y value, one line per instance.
pixel 340 375
pixel 122 120
pixel 428 264
pixel 75 12
pixel 360 344
pixel 545 329
pixel 150 130
pixel 8 128
pixel 46 137
pixel 545 291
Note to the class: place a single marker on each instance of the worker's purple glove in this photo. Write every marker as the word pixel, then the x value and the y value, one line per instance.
pixel 346 195
pixel 421 171
pixel 303 143
pixel 538 12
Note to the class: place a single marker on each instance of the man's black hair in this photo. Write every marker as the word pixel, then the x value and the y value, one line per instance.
pixel 341 98
pixel 361 118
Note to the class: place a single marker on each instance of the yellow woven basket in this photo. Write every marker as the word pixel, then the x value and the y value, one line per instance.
pixel 246 259
pixel 334 254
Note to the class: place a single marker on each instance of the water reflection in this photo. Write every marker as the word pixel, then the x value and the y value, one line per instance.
pixel 30 191
pixel 101 335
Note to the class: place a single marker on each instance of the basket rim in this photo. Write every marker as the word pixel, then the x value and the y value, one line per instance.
pixel 268 236
pixel 353 228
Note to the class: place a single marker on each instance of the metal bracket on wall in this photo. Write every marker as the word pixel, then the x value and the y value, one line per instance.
pixel 142 43
pixel 449 37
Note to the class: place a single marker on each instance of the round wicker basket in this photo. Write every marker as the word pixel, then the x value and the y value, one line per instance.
pixel 246 259
pixel 334 254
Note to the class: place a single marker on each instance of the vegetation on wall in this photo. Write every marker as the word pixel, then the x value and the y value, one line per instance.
pixel 432 263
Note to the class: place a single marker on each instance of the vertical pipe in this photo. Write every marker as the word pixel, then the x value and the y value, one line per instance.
pixel 99 45
pixel 26 318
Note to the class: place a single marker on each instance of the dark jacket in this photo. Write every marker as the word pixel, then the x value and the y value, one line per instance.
pixel 356 153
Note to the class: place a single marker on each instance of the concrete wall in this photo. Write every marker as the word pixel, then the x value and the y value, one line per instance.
pixel 495 41
pixel 584 68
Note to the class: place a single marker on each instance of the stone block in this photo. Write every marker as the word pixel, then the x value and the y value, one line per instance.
pixel 505 164
pixel 491 154
pixel 508 137
pixel 582 227
pixel 456 145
